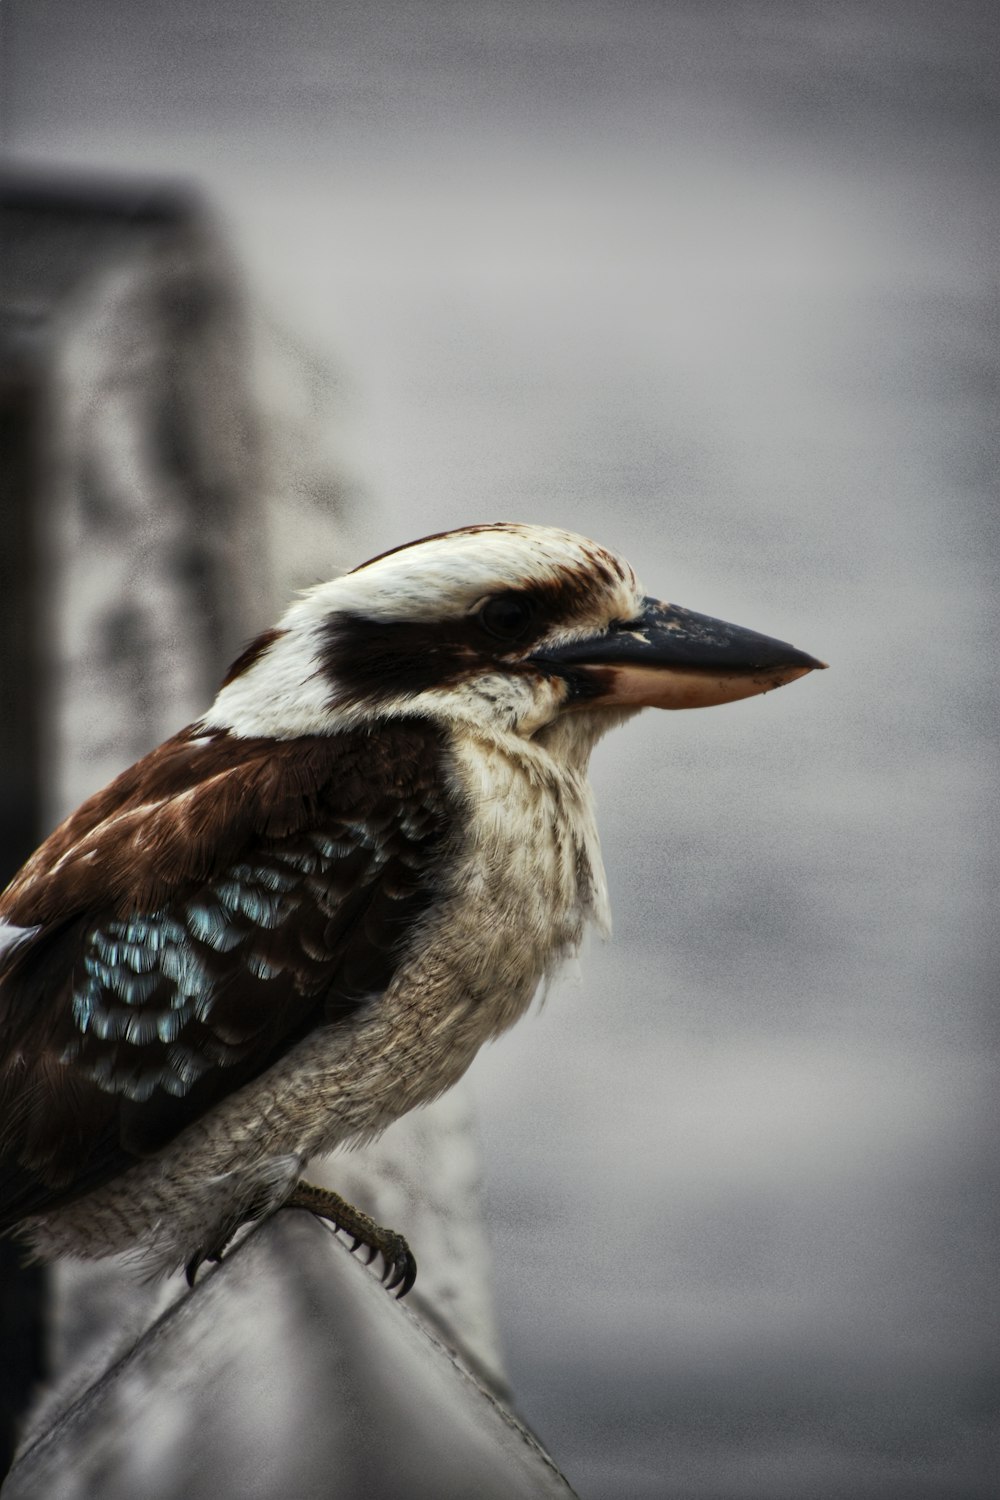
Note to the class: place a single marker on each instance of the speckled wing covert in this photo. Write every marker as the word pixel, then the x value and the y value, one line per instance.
pixel 190 923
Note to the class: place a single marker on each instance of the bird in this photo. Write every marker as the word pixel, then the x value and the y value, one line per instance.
pixel 302 915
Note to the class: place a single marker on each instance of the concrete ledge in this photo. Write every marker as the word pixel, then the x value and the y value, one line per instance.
pixel 288 1371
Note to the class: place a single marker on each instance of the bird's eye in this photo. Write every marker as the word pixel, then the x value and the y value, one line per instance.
pixel 507 616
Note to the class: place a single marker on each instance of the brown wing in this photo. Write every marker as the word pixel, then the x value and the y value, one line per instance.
pixel 210 908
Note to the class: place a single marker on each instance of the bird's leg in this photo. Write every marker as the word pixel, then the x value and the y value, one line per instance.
pixel 400 1266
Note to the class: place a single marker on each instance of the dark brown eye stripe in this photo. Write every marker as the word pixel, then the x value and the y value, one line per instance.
pixel 377 661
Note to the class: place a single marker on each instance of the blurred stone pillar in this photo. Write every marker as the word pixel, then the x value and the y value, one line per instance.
pixel 131 468
pixel 171 525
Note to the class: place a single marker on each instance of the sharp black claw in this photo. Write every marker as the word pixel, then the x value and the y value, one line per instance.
pixel 193 1266
pixel 356 1240
pixel 409 1277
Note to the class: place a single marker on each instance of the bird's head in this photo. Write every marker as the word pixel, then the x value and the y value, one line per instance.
pixel 506 628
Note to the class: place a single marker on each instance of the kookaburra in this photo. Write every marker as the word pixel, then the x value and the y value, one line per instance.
pixel 305 913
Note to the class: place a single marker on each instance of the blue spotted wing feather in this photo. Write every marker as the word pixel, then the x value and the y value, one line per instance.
pixel 210 909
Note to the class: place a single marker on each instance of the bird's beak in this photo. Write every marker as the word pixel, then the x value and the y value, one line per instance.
pixel 670 657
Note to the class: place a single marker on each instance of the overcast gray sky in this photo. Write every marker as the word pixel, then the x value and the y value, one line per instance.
pixel 714 282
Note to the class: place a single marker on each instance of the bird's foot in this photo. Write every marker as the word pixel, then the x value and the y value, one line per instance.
pixel 400 1266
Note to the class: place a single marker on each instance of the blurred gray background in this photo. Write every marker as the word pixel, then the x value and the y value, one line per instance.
pixel 713 282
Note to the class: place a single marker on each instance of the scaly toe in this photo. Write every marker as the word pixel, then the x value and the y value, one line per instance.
pixel 400 1268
